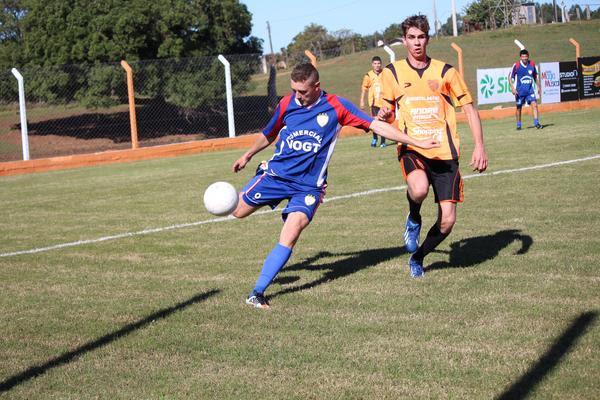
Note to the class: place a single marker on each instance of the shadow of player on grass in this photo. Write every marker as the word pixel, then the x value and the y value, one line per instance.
pixel 67 357
pixel 351 263
pixel 476 250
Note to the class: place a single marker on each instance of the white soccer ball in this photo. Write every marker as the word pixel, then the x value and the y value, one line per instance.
pixel 220 198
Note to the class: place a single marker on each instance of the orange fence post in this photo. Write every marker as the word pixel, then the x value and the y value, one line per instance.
pixel 577 48
pixel 460 59
pixel 311 56
pixel 131 96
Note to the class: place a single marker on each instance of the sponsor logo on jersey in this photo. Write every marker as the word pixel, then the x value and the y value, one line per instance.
pixel 433 85
pixel 423 113
pixel 407 84
pixel 306 140
pixel 257 196
pixel 322 119
pixel 309 200
pixel 411 99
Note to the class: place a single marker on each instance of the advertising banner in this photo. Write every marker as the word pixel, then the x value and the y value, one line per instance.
pixel 493 86
pixel 569 77
pixel 550 82
pixel 589 77
pixel 559 81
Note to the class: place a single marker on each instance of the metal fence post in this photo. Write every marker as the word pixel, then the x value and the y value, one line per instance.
pixel 460 58
pixel 391 53
pixel 131 96
pixel 577 48
pixel 230 114
pixel 22 113
pixel 311 57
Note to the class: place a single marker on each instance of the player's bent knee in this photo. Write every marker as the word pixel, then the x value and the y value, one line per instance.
pixel 446 225
pixel 419 193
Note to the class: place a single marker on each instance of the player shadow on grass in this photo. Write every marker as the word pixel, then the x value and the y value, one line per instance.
pixel 544 126
pixel 73 355
pixel 354 262
pixel 473 251
pixel 523 387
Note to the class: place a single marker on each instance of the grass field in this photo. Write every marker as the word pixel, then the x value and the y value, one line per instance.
pixel 508 307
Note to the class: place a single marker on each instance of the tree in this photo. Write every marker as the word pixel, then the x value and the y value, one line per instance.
pixel 447 30
pixel 544 12
pixel 61 32
pixel 484 13
pixel 314 37
pixel 392 32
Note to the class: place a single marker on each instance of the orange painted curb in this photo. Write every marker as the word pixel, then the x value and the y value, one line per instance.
pixel 241 142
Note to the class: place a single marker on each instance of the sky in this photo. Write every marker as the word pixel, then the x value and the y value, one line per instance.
pixel 289 17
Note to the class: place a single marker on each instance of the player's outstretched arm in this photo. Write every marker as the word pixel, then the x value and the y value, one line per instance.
pixel 479 159
pixel 261 142
pixel 389 132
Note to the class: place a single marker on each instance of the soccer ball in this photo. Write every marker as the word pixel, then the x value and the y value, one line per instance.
pixel 220 198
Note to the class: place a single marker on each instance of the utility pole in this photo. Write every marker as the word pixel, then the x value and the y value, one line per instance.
pixel 435 24
pixel 454 28
pixel 554 9
pixel 270 41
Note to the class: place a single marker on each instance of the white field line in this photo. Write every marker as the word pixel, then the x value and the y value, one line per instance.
pixel 267 211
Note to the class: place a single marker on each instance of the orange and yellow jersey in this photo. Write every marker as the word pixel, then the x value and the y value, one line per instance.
pixel 372 83
pixel 424 101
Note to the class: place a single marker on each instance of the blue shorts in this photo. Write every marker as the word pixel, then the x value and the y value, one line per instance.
pixel 528 97
pixel 268 190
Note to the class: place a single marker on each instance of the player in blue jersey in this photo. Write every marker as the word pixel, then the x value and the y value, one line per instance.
pixel 525 74
pixel 307 122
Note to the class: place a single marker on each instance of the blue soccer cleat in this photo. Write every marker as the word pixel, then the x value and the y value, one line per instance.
pixel 411 235
pixel 416 267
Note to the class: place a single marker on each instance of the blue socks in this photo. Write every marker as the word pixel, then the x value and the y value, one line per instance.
pixel 536 122
pixel 272 265
pixel 519 125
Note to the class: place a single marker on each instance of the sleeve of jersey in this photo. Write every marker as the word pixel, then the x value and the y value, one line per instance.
pixel 276 123
pixel 513 71
pixel 348 114
pixel 366 83
pixel 387 88
pixel 534 73
pixel 458 88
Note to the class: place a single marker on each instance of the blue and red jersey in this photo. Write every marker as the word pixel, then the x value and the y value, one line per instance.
pixel 307 136
pixel 525 76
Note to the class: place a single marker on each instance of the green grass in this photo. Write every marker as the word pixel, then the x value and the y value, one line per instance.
pixel 510 298
pixel 343 75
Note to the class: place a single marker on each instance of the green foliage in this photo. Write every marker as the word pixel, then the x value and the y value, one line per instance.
pixel 314 37
pixel 447 30
pixel 90 32
pixel 392 32
pixel 484 14
pixel 105 87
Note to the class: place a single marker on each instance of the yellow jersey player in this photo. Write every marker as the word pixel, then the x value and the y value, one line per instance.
pixel 420 93
pixel 371 85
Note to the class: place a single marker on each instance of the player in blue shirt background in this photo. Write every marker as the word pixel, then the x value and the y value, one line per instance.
pixel 307 123
pixel 525 74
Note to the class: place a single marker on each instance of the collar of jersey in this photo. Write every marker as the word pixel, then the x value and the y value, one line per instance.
pixel 308 107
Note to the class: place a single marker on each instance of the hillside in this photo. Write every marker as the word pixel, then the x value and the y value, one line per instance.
pixel 490 49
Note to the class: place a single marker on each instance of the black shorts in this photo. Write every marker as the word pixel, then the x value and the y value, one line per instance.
pixel 443 175
pixel 374 111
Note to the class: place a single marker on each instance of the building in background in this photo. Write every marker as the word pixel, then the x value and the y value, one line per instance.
pixel 524 14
